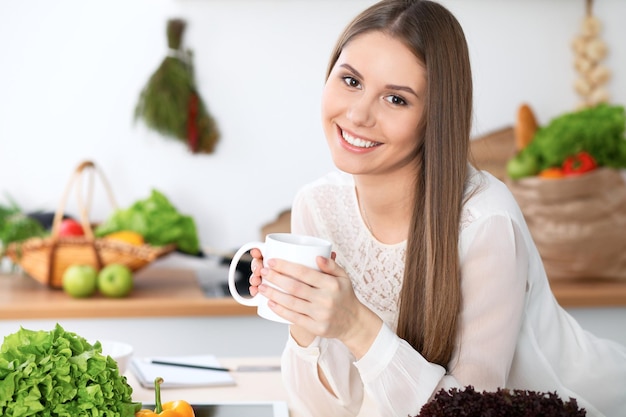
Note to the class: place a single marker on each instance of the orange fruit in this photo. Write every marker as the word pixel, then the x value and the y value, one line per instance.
pixel 127 236
pixel 552 173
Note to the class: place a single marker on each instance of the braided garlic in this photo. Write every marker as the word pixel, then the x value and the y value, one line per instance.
pixel 589 51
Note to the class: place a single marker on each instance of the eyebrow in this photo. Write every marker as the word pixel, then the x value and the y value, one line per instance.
pixel 389 86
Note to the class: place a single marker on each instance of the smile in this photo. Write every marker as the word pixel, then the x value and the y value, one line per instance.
pixel 358 142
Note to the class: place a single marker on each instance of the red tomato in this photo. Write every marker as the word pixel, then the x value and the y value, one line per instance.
pixel 70 227
pixel 579 164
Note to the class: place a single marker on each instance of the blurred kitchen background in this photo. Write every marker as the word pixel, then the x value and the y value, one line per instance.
pixel 71 73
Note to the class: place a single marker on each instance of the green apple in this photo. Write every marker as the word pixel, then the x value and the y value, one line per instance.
pixel 115 280
pixel 522 165
pixel 80 281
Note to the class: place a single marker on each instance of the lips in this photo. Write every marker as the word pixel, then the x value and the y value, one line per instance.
pixel 357 141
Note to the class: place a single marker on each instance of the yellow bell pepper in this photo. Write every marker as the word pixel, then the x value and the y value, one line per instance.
pixel 178 408
pixel 126 236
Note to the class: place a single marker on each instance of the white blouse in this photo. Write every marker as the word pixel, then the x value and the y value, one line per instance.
pixel 512 331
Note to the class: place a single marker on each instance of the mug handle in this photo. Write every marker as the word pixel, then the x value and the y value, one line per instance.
pixel 252 301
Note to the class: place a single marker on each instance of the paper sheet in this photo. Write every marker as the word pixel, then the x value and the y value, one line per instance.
pixel 179 377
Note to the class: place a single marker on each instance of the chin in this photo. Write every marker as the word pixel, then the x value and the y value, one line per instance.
pixel 350 167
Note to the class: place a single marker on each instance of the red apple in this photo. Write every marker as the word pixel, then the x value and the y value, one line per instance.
pixel 70 227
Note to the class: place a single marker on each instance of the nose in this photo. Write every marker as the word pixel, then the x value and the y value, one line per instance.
pixel 361 112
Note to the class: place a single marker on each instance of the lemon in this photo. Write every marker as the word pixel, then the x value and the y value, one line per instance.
pixel 127 236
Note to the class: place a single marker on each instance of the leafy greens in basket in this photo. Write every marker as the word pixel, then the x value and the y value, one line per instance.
pixel 59 374
pixel 158 221
pixel 16 226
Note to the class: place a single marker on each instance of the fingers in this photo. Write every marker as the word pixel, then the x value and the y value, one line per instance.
pixel 293 282
pixel 330 266
pixel 278 267
pixel 254 267
pixel 257 261
pixel 301 304
pixel 255 276
pixel 298 280
pixel 286 305
pixel 255 253
pixel 303 286
pixel 254 281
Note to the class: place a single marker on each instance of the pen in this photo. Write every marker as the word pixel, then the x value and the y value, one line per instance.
pixel 186 365
pixel 242 368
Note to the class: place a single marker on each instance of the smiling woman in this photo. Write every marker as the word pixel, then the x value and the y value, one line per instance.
pixel 371 111
pixel 435 281
pixel 372 105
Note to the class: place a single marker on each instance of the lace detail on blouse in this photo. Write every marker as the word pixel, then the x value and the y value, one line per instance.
pixel 329 208
pixel 375 269
pixel 467 218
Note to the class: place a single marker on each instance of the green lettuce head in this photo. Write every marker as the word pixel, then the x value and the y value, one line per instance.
pixel 59 374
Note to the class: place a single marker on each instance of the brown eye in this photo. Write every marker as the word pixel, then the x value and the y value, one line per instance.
pixel 351 82
pixel 396 100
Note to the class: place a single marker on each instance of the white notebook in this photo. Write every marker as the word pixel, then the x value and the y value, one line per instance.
pixel 179 376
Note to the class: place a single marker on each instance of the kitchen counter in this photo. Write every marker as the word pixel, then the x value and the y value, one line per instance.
pixel 161 292
pixel 250 386
pixel 590 293
pixel 157 292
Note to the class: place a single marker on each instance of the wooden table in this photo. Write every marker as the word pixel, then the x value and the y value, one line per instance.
pixel 157 292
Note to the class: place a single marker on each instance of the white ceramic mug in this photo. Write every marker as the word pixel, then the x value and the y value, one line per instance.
pixel 288 246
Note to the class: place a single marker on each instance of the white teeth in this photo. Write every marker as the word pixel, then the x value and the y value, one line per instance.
pixel 358 142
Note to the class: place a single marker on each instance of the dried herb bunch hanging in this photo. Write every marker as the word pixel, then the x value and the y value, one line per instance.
pixel 170 102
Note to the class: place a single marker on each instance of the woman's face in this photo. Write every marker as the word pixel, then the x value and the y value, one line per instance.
pixel 372 105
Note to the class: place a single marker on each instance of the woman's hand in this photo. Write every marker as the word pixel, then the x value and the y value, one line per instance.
pixel 319 303
pixel 255 277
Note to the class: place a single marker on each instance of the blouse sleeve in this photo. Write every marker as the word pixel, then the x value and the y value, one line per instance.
pixel 306 392
pixel 300 364
pixel 494 263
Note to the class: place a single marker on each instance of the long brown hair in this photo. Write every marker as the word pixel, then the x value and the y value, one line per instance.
pixel 430 299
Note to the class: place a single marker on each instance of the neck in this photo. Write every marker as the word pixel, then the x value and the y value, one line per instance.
pixel 386 206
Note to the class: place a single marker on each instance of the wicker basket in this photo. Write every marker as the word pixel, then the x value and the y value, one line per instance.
pixel 46 259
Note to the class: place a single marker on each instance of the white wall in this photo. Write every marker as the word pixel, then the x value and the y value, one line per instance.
pixel 71 72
